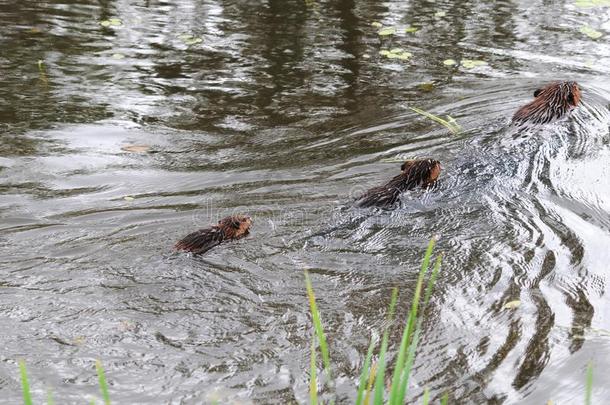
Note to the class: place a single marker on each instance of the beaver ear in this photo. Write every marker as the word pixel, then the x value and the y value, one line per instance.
pixel 405 165
pixel 537 92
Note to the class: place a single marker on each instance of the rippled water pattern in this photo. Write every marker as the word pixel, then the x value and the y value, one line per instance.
pixel 285 110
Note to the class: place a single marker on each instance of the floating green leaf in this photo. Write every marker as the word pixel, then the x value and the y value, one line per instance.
pixel 387 31
pixel 384 52
pixel 189 39
pixel 512 304
pixel 128 198
pixel 440 14
pixel 396 50
pixel 449 62
pixel 592 3
pixel 450 123
pixel 118 56
pixel 470 63
pixel 376 24
pixel 590 32
pixel 111 22
pixel 411 29
pixel 426 86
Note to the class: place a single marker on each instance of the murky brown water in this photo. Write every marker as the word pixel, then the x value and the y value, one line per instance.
pixel 285 111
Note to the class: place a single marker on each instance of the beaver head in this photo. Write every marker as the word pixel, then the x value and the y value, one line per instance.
pixel 551 102
pixel 235 227
pixel 421 171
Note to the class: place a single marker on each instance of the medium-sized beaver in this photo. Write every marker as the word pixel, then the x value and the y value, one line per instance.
pixel 551 103
pixel 415 173
pixel 229 228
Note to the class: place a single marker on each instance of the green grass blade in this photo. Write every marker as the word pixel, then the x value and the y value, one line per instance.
pixel 399 365
pixel 589 384
pixel 451 125
pixel 369 387
pixel 395 398
pixel 432 280
pixel 25 385
pixel 101 376
pixel 366 370
pixel 313 379
pixel 418 287
pixel 379 378
pixel 445 399
pixel 50 400
pixel 317 323
pixel 426 397
pixel 406 372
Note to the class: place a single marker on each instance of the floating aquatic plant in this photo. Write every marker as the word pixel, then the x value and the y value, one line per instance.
pixel 512 304
pixel 410 29
pixel 395 53
pixel 592 3
pixel 387 31
pixel 111 22
pixel 449 62
pixel 189 39
pixel 472 63
pixel 450 123
pixel 590 32
pixel 376 24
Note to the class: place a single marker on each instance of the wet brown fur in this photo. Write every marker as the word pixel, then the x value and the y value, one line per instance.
pixel 415 173
pixel 551 102
pixel 229 228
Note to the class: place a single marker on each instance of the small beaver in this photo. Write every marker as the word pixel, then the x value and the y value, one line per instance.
pixel 415 173
pixel 229 228
pixel 551 103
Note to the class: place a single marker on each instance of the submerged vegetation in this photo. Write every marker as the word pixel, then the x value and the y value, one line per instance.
pixel 450 123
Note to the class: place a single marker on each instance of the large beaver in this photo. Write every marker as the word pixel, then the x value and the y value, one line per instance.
pixel 229 228
pixel 551 103
pixel 415 173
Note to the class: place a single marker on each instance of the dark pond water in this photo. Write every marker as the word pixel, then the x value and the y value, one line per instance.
pixel 285 110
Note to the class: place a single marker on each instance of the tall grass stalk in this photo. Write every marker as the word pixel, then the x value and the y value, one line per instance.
pixel 25 385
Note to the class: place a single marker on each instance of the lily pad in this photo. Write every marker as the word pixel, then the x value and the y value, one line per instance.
pixel 111 22
pixel 411 29
pixel 387 31
pixel 590 32
pixel 470 63
pixel 384 52
pixel 136 148
pixel 512 304
pixel 449 62
pixel 440 14
pixel 190 39
pixel 376 24
pixel 427 86
pixel 396 50
pixel 118 56
pixel 128 198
